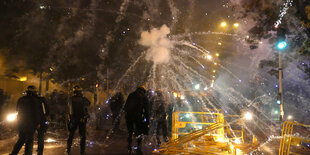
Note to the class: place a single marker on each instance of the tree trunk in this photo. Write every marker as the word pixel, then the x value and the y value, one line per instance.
pixel 40 83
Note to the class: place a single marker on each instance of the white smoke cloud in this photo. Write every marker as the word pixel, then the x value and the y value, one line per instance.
pixel 158 43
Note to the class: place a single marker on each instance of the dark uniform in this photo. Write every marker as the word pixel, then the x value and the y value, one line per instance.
pixel 170 110
pixel 78 117
pixel 160 116
pixel 137 115
pixel 151 97
pixel 28 119
pixel 43 111
pixel 116 104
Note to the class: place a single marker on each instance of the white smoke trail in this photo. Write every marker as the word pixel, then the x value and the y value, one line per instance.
pixel 119 18
pixel 128 70
pixel 158 43
pixel 110 36
pixel 85 30
pixel 174 12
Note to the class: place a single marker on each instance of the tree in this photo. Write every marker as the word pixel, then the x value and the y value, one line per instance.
pixel 266 13
pixel 45 38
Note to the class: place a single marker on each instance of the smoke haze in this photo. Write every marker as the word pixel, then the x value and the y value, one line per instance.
pixel 158 43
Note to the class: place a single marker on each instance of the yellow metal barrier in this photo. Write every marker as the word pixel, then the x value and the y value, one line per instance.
pixel 205 145
pixel 236 135
pixel 203 133
pixel 187 122
pixel 289 139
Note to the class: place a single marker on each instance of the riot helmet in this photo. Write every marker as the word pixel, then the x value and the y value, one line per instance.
pixel 31 90
pixel 77 90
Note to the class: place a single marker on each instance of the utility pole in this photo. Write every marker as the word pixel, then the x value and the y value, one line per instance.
pixel 281 45
pixel 280 88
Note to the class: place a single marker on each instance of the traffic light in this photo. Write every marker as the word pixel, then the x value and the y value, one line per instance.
pixel 281 36
pixel 281 45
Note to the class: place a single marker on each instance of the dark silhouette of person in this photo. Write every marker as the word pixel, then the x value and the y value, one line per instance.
pixel 170 110
pixel 160 116
pixel 53 102
pixel 137 116
pixel 150 95
pixel 116 104
pixel 62 107
pixel 78 114
pixel 28 119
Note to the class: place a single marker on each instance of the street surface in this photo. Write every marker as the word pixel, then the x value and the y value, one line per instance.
pixel 96 145
pixel 97 142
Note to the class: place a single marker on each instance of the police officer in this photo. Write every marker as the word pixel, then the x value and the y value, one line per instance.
pixel 78 117
pixel 28 118
pixel 160 116
pixel 137 114
pixel 43 111
pixel 116 104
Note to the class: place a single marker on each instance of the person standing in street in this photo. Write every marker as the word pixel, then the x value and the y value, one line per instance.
pixel 137 115
pixel 27 120
pixel 116 104
pixel 78 114
pixel 160 117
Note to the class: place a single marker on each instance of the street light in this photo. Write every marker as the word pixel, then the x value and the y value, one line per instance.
pixel 23 79
pixel 223 24
pixel 236 25
pixel 209 57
